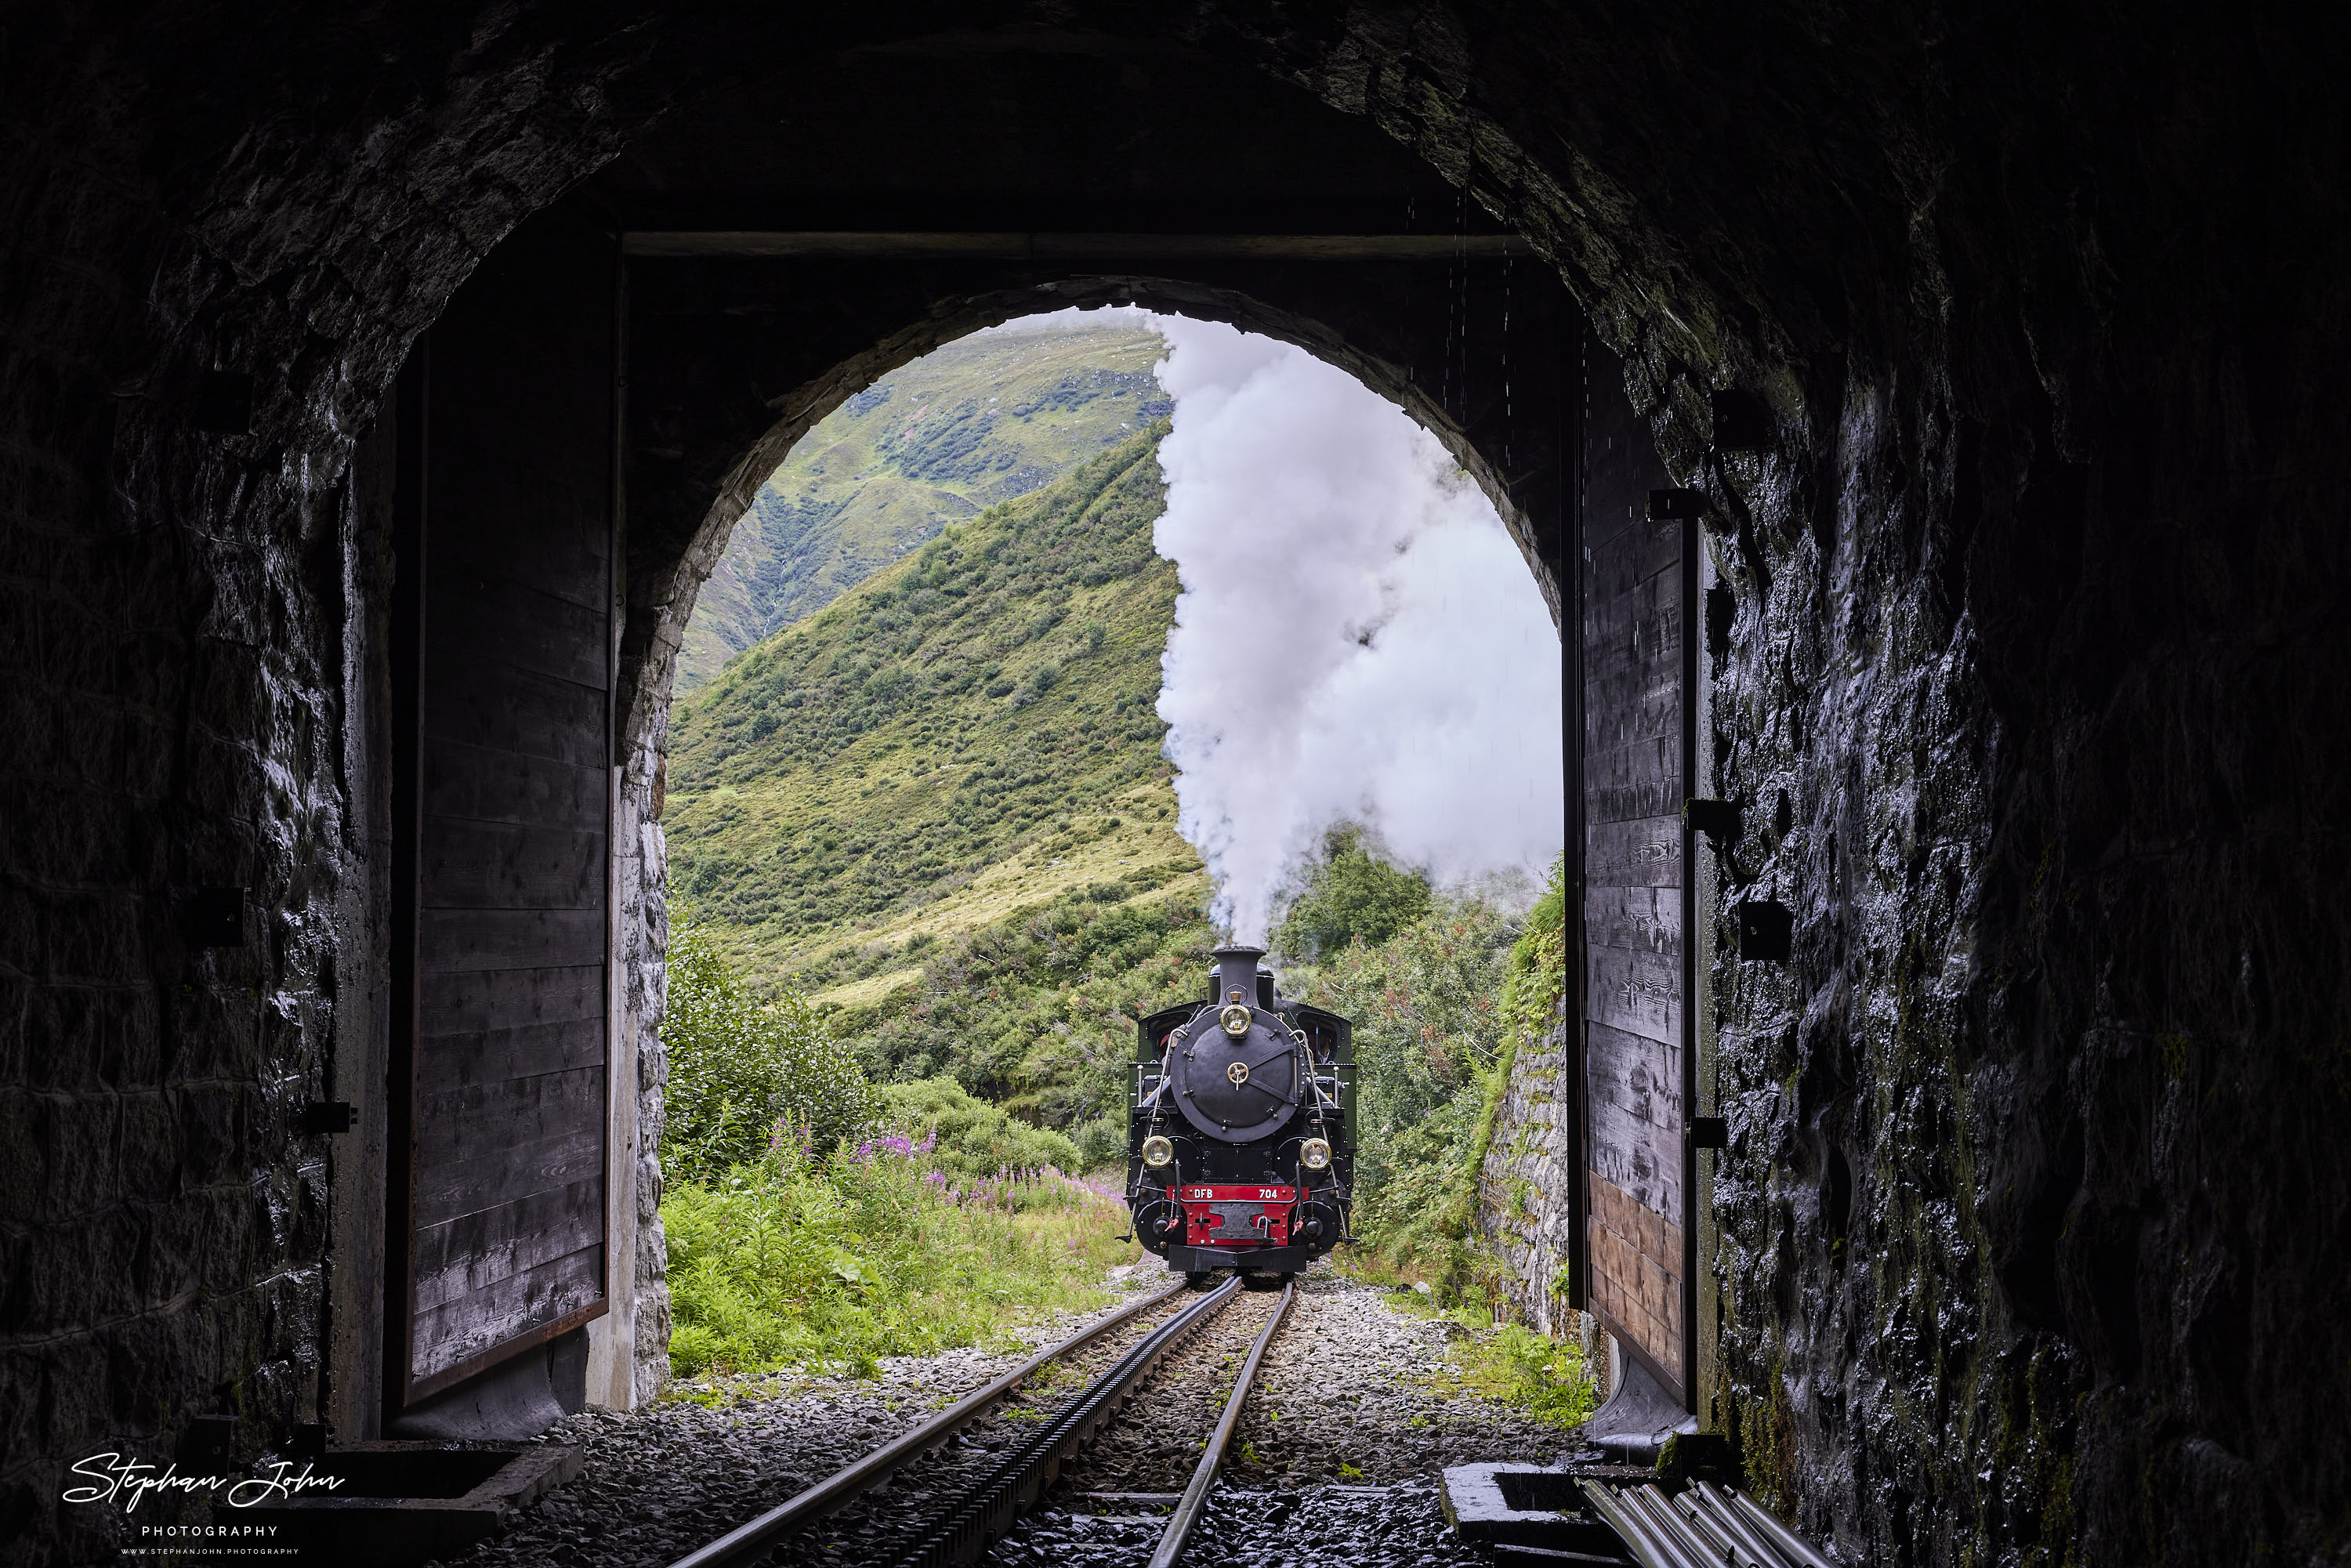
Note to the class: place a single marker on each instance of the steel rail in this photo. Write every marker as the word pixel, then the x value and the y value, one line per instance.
pixel 1196 1495
pixel 1771 1529
pixel 1726 1547
pixel 838 1490
pixel 1705 1526
pixel 961 1532
pixel 1716 1506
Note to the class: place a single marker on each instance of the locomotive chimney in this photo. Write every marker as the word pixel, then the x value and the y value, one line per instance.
pixel 1236 974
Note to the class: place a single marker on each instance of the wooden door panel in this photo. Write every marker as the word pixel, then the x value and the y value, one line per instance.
pixel 1636 738
pixel 523 714
pixel 457 1005
pixel 474 1251
pixel 502 1209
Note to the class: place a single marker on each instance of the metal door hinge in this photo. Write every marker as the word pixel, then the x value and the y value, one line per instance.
pixel 1765 929
pixel 1742 422
pixel 1717 820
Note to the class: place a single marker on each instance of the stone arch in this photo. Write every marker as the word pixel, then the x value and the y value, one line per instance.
pixel 2033 631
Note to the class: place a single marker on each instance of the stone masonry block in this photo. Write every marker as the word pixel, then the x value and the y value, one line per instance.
pixel 76 1137
pixel 73 1410
pixel 22 1163
pixel 169 1262
pixel 147 1159
pixel 211 1118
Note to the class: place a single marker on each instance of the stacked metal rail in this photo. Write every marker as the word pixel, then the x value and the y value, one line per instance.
pixel 1705 1526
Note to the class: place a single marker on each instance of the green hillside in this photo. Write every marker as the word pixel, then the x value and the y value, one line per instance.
pixel 983 420
pixel 957 758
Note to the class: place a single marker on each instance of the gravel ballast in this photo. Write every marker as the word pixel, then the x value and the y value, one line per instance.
pixel 1335 1460
pixel 1358 1527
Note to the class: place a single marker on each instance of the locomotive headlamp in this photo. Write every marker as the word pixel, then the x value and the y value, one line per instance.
pixel 1157 1151
pixel 1314 1155
pixel 1234 1019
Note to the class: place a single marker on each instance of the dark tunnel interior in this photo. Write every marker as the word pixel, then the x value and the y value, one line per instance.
pixel 2027 1235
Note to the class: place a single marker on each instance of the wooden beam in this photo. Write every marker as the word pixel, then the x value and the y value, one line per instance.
pixel 773 244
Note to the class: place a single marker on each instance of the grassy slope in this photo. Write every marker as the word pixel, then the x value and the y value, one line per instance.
pixel 985 419
pixel 898 772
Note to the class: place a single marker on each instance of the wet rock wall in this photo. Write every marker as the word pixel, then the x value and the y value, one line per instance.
pixel 641 883
pixel 207 295
pixel 2031 1190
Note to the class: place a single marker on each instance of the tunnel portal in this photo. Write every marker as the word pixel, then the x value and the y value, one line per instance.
pixel 1927 437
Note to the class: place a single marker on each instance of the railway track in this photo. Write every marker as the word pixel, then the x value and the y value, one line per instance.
pixel 958 1529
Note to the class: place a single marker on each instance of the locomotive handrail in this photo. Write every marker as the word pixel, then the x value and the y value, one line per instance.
pixel 838 1489
pixel 1196 1495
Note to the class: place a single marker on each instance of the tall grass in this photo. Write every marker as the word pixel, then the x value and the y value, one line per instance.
pixel 828 1262
pixel 815 1222
pixel 1514 1365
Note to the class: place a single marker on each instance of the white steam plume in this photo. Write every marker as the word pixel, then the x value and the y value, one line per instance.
pixel 1357 638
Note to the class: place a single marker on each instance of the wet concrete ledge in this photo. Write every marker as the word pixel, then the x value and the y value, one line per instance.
pixel 1503 1507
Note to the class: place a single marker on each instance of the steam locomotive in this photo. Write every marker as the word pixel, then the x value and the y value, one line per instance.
pixel 1240 1152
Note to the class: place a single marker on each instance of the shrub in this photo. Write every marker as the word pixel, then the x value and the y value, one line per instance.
pixel 975 1141
pixel 1103 1141
pixel 1427 1005
pixel 1440 1011
pixel 1041 679
pixel 1537 965
pixel 1351 896
pixel 739 1066
pixel 1041 1007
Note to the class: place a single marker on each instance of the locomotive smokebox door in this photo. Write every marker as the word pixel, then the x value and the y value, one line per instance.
pixel 1239 1082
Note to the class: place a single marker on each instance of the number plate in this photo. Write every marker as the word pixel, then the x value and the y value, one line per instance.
pixel 1223 1216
